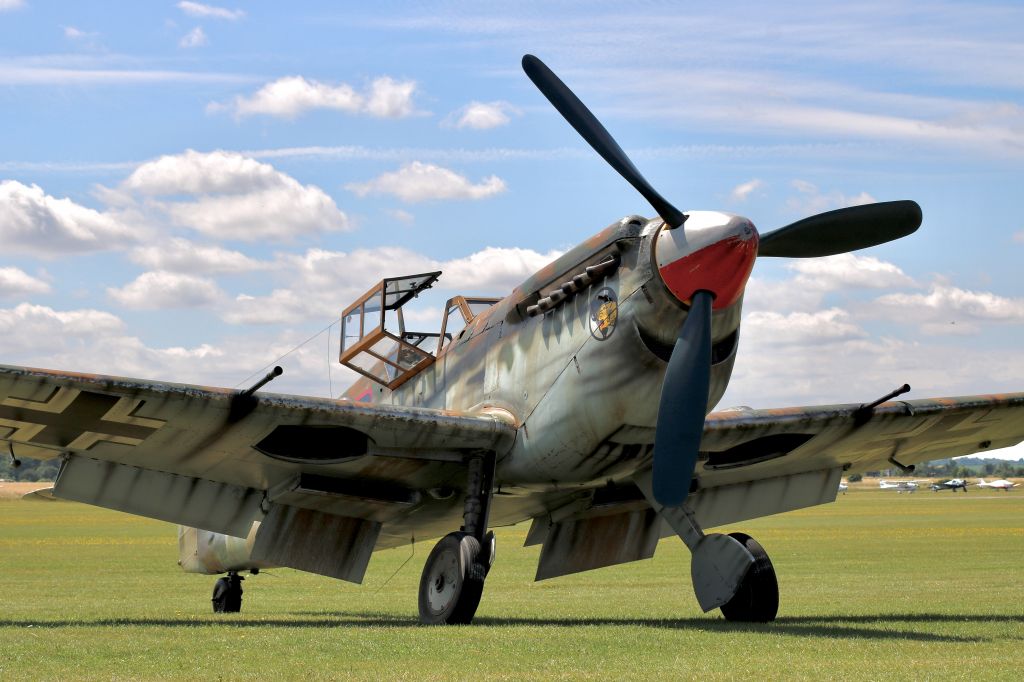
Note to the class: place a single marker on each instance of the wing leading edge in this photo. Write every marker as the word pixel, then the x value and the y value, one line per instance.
pixel 743 443
pixel 220 460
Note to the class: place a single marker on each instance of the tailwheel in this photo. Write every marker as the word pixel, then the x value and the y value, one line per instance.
pixel 452 581
pixel 227 593
pixel 757 599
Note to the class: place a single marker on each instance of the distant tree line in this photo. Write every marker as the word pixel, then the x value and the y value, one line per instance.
pixel 30 469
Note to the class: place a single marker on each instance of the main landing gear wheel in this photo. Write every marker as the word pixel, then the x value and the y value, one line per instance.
pixel 452 581
pixel 757 600
pixel 227 594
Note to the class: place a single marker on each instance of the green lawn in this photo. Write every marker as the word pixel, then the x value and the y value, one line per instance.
pixel 876 586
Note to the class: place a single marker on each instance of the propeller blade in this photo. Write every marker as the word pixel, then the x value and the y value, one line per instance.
pixel 684 401
pixel 844 230
pixel 587 125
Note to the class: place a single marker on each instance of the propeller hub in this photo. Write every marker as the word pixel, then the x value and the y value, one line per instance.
pixel 713 252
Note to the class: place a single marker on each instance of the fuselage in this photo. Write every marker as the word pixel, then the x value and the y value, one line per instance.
pixel 581 379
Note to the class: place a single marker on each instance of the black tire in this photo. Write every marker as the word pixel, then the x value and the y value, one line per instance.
pixel 227 595
pixel 452 581
pixel 757 600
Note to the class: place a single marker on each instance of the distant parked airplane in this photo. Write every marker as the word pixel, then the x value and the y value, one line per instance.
pixel 1001 484
pixel 899 486
pixel 951 484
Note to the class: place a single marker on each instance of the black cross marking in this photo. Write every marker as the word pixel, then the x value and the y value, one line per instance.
pixel 85 413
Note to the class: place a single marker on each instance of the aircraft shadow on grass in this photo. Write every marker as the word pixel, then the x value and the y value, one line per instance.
pixel 808 626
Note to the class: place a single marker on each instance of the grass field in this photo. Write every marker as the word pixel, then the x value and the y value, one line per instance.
pixel 876 586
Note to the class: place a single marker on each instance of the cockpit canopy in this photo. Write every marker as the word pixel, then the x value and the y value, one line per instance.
pixel 375 342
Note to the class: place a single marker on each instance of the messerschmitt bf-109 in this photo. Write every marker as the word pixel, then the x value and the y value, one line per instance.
pixel 579 402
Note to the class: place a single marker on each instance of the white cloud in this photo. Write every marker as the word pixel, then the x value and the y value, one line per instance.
pixel 40 330
pixel 740 192
pixel 813 107
pixel 780 295
pixel 951 310
pixel 196 9
pixel 494 269
pixel 419 181
pixel 74 33
pixel 194 38
pixel 281 306
pixel 800 328
pixel 846 271
pixel 815 278
pixel 95 341
pixel 6 5
pixel 481 115
pixel 159 289
pixel 830 354
pixel 390 98
pixel 825 120
pixel 861 369
pixel 291 96
pixel 319 280
pixel 401 216
pixel 16 282
pixel 181 255
pixel 35 222
pixel 82 69
pixel 280 213
pixel 233 197
pixel 811 200
pixel 193 172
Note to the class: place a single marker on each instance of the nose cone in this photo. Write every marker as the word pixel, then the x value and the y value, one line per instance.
pixel 712 251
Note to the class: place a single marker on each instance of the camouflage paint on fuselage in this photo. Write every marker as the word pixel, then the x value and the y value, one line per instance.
pixel 581 382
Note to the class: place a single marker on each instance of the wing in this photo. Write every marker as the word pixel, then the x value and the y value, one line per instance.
pixel 755 463
pixel 759 462
pixel 316 473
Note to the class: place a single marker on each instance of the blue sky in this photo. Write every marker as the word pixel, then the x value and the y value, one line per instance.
pixel 189 190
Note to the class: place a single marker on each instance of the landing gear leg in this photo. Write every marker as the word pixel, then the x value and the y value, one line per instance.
pixel 227 593
pixel 453 577
pixel 728 571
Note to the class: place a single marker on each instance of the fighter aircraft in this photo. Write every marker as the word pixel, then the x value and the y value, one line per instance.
pixel 1000 484
pixel 899 486
pixel 579 402
pixel 952 484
